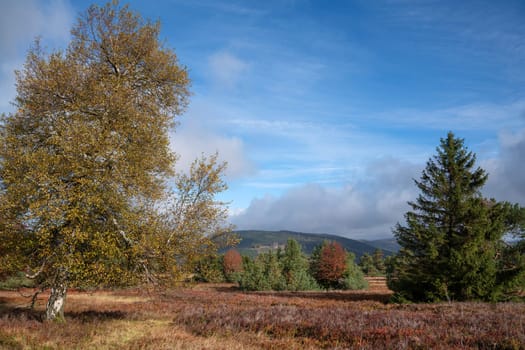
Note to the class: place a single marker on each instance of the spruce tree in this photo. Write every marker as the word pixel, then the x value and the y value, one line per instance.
pixel 378 260
pixel 367 265
pixel 295 268
pixel 451 236
pixel 511 269
pixel 353 276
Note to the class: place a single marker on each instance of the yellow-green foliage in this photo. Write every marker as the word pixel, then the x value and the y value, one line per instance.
pixel 85 159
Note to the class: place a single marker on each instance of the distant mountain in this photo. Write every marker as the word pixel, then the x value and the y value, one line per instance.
pixel 387 244
pixel 254 242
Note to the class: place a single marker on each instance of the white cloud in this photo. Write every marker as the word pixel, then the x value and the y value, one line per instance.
pixel 200 133
pixel 193 140
pixel 7 83
pixel 226 69
pixel 20 22
pixel 506 172
pixel 367 210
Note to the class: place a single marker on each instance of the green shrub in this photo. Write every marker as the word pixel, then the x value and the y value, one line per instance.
pixel 353 276
pixel 278 270
pixel 209 269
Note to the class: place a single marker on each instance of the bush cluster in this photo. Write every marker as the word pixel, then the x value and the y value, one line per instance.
pixel 373 265
pixel 329 267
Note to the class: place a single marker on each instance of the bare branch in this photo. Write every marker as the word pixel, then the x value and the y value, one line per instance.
pixel 150 277
pixel 35 275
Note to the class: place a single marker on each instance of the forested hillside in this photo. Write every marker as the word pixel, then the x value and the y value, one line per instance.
pixel 256 241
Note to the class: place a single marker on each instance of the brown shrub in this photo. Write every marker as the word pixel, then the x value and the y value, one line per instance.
pixel 331 265
pixel 232 262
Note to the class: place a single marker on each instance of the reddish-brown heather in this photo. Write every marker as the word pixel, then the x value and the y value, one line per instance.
pixel 222 317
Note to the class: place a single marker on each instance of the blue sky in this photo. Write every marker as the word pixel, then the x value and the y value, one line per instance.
pixel 326 110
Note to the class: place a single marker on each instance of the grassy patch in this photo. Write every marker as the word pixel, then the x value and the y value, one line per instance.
pixel 15 282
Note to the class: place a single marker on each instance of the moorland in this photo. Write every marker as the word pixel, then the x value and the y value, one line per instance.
pixel 220 316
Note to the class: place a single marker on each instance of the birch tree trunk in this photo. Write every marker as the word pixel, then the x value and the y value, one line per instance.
pixel 57 298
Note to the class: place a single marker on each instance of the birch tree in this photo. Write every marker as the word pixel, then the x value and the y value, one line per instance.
pixel 85 159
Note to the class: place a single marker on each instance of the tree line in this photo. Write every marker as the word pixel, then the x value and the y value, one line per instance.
pixel 329 267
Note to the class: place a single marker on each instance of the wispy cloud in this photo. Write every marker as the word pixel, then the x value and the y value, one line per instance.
pixel 226 69
pixel 471 116
pixel 469 32
pixel 231 7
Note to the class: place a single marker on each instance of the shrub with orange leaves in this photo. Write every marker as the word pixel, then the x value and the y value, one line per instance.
pixel 331 265
pixel 232 265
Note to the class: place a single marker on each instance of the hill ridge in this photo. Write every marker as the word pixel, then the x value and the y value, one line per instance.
pixel 254 242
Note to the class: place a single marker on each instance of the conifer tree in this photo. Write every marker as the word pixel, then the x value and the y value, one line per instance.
pixel 295 268
pixel 511 268
pixel 449 244
pixel 378 260
pixel 367 265
pixel 353 275
pixel 331 265
pixel 278 270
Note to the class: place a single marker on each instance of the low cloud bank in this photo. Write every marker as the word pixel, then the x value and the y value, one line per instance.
pixel 367 210
pixel 507 171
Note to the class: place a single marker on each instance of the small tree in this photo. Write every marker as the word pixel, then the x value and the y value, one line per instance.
pixel 353 277
pixel 209 269
pixel 253 277
pixel 232 265
pixel 373 265
pixel 278 270
pixel 264 273
pixel 331 265
pixel 511 267
pixel 295 268
pixel 378 260
pixel 334 268
pixel 367 265
pixel 273 269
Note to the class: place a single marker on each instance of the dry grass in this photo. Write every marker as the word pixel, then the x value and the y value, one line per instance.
pixel 221 317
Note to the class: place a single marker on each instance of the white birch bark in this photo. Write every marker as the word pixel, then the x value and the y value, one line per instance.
pixel 57 298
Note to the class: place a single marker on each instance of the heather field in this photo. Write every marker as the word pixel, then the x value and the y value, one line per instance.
pixel 221 317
